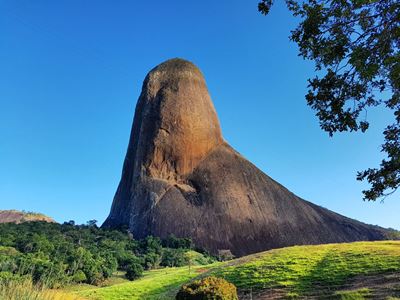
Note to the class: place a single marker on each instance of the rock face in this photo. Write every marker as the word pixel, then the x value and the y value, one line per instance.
pixel 180 177
pixel 15 216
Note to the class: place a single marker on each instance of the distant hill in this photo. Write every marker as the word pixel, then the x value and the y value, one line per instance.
pixel 16 216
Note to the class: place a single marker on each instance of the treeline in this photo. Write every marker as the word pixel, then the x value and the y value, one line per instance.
pixel 57 254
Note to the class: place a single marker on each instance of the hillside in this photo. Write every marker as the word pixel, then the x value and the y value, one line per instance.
pixel 16 216
pixel 333 271
pixel 328 271
pixel 156 284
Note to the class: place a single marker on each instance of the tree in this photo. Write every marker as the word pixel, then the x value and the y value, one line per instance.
pixel 355 45
pixel 190 256
pixel 173 257
pixel 134 271
pixel 152 260
pixel 173 242
pixel 151 244
pixel 109 264
pixel 91 223
pixel 70 222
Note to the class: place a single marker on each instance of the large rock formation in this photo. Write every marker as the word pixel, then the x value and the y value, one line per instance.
pixel 180 177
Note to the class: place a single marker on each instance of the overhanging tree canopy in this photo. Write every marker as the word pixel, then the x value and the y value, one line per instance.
pixel 355 44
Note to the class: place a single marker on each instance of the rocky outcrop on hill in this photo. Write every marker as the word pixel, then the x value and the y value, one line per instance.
pixel 15 216
pixel 180 177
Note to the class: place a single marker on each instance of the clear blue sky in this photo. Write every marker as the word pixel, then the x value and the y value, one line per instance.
pixel 71 72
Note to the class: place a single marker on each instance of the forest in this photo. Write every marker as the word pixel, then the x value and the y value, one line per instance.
pixel 55 255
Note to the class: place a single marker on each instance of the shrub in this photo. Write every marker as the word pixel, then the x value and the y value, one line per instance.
pixel 199 258
pixel 208 288
pixel 134 271
pixel 225 255
pixel 6 277
pixel 79 277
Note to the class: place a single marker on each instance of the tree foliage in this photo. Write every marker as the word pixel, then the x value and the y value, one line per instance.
pixel 134 271
pixel 355 47
pixel 56 254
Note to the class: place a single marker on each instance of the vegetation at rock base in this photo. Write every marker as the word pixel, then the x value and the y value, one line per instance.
pixel 334 271
pixel 208 288
pixel 36 256
pixel 54 255
pixel 355 47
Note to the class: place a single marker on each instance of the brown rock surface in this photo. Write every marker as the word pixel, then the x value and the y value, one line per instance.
pixel 15 216
pixel 180 177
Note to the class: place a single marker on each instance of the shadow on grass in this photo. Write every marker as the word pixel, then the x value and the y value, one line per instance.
pixel 334 271
pixel 165 292
pixel 326 277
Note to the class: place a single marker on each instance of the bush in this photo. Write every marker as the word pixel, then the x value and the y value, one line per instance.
pixel 196 258
pixel 134 271
pixel 225 255
pixel 208 288
pixel 8 277
pixel 79 277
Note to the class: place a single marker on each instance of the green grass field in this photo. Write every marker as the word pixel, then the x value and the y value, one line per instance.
pixel 155 284
pixel 359 270
pixel 313 270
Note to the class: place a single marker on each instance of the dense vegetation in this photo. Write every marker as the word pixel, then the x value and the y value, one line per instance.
pixel 57 254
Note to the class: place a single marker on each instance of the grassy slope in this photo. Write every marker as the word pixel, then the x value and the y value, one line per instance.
pixel 299 270
pixel 304 270
pixel 156 284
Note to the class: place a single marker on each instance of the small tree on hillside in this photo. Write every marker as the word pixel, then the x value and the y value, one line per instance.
pixel 134 271
pixel 190 256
